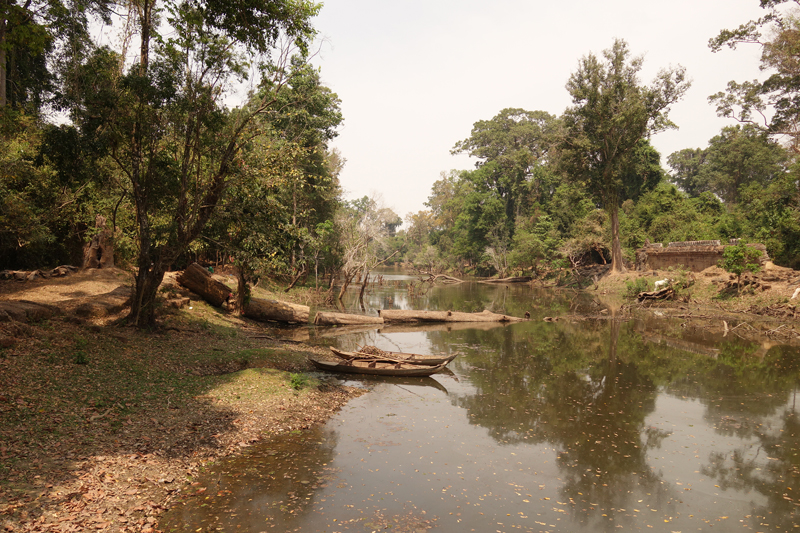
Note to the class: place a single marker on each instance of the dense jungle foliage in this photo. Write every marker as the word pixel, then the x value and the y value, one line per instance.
pixel 148 139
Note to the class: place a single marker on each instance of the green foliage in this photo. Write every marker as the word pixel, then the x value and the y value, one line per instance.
pixel 776 96
pixel 771 216
pixel 633 288
pixel 666 215
pixel 535 241
pixel 739 259
pixel 740 156
pixel 511 147
pixel 52 187
pixel 298 381
pixel 612 114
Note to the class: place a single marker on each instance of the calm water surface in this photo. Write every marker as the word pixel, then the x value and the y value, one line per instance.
pixel 574 425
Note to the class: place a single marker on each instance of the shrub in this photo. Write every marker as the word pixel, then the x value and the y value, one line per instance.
pixel 298 381
pixel 633 288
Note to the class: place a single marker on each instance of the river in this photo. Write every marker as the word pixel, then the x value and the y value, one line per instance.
pixel 580 424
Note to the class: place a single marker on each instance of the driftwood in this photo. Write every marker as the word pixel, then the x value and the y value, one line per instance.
pixel 276 311
pixel 198 280
pixel 662 294
pixel 441 277
pixel 323 318
pixel 516 279
pixel 395 315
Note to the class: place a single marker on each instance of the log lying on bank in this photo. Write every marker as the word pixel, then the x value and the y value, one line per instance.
pixel 662 294
pixel 24 275
pixel 323 318
pixel 198 280
pixel 276 311
pixel 399 316
pixel 515 279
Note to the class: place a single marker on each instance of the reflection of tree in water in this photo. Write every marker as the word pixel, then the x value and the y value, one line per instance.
pixel 587 391
pixel 557 388
pixel 276 483
pixel 771 465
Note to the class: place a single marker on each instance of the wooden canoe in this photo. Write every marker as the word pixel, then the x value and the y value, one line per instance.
pixel 375 368
pixel 417 359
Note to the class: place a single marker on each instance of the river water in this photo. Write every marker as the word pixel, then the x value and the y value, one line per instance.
pixel 582 424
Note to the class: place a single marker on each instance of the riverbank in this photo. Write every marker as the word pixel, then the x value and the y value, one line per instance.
pixel 711 299
pixel 101 426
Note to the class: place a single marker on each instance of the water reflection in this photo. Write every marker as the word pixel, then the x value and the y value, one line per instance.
pixel 577 425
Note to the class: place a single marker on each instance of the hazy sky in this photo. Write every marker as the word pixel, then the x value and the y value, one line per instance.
pixel 415 75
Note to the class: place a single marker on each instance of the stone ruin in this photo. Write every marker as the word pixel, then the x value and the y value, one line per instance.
pixel 695 256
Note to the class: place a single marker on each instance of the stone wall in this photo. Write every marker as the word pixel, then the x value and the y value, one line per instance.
pixel 695 256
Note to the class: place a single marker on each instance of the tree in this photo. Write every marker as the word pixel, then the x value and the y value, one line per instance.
pixel 446 203
pixel 739 156
pixel 739 259
pixel 644 172
pixel 772 217
pixel 515 143
pixel 167 129
pixel 38 42
pixel 773 104
pixel 686 165
pixel 364 226
pixel 611 114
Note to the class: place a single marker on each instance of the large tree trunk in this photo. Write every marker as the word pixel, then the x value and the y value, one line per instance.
pixel 3 56
pixel 242 289
pixel 363 288
pixel 344 319
pixel 143 312
pixel 276 311
pixel 198 280
pixel 617 262
pixel 397 315
pixel 347 278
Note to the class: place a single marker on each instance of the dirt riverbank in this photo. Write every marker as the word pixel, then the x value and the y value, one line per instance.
pixel 102 426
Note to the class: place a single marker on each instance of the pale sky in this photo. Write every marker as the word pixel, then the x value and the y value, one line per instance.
pixel 415 75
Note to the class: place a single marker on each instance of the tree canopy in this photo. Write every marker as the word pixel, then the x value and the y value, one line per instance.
pixel 612 113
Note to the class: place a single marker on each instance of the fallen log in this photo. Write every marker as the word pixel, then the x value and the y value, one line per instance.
pixel 396 315
pixel 432 278
pixel 276 311
pixel 399 315
pixel 515 279
pixel 410 327
pixel 199 280
pixel 666 293
pixel 484 316
pixel 323 318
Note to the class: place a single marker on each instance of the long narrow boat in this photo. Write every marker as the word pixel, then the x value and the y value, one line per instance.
pixel 417 359
pixel 375 368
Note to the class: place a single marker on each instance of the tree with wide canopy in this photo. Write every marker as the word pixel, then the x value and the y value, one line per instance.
pixel 612 113
pixel 166 126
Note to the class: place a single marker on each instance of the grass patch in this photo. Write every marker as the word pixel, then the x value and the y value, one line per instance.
pixel 633 288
